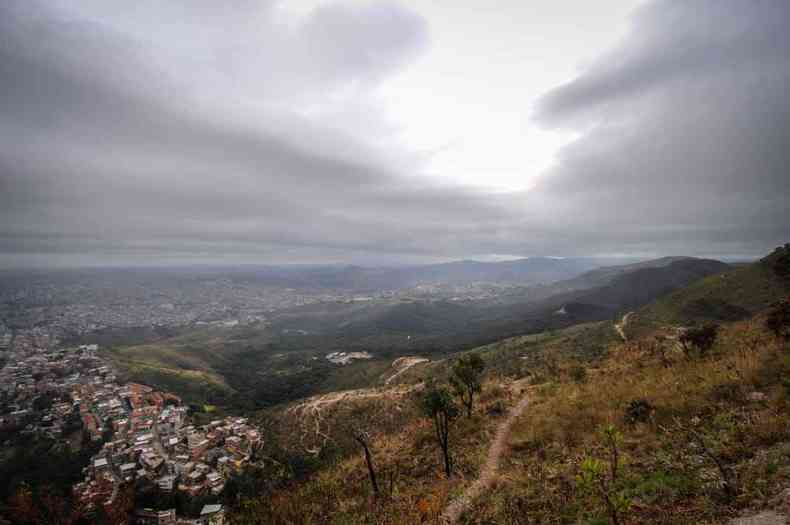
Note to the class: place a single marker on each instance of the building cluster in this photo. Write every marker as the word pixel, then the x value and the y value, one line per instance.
pixel 154 443
pixel 37 382
pixel 147 437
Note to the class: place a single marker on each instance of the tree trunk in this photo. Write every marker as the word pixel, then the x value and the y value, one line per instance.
pixel 371 470
pixel 446 446
pixel 447 469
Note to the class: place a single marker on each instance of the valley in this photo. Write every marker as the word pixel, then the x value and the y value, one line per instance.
pixel 286 358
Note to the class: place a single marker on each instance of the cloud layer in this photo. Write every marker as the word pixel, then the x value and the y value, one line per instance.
pixel 188 132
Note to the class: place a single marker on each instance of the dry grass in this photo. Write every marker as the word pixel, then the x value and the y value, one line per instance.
pixel 662 471
pixel 410 474
pixel 666 477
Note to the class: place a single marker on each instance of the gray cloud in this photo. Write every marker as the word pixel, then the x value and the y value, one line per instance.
pixel 180 131
pixel 686 126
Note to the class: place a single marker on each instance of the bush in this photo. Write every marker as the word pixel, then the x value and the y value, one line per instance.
pixel 639 411
pixel 579 374
pixel 729 391
pixel 782 263
pixel 778 320
pixel 701 338
pixel 497 408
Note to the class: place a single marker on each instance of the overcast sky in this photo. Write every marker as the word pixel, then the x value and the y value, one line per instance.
pixel 193 131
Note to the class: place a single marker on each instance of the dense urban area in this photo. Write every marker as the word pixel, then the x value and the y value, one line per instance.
pixel 143 437
pixel 70 303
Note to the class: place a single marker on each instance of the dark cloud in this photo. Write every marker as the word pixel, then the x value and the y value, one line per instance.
pixel 179 131
pixel 686 126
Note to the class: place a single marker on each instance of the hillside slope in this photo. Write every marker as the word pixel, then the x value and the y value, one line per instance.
pixel 728 296
pixel 264 366
pixel 699 437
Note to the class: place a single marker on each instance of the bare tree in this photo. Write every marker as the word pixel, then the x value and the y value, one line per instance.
pixel 363 438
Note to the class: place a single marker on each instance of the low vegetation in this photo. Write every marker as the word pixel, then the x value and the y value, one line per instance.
pixel 682 423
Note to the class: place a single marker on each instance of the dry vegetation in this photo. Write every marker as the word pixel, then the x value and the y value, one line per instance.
pixel 407 460
pixel 671 426
pixel 689 425
pixel 728 407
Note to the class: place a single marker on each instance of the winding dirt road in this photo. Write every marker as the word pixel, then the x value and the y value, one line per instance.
pixel 620 327
pixel 489 470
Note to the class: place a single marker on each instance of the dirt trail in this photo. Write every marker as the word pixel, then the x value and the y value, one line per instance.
pixel 620 327
pixel 764 518
pixel 322 401
pixel 310 411
pixel 402 364
pixel 489 469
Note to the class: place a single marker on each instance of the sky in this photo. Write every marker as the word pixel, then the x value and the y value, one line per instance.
pixel 367 132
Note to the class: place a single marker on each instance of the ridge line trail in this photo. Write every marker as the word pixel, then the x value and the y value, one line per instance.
pixel 620 327
pixel 489 469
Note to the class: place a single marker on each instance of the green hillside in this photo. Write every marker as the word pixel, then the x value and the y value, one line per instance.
pixel 729 296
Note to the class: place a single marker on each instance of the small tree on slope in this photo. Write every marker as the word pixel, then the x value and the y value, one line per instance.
pixel 467 379
pixel 437 404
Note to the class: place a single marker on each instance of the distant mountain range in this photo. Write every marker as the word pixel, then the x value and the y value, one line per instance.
pixel 594 295
pixel 527 271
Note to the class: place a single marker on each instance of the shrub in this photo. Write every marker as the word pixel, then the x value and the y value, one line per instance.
pixel 603 480
pixel 579 374
pixel 782 263
pixel 700 338
pixel 497 408
pixel 778 320
pixel 729 391
pixel 639 411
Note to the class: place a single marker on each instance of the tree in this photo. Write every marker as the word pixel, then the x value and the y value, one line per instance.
pixel 778 320
pixel 437 404
pixel 702 338
pixel 466 379
pixel 363 438
pixel 46 508
pixel 782 262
